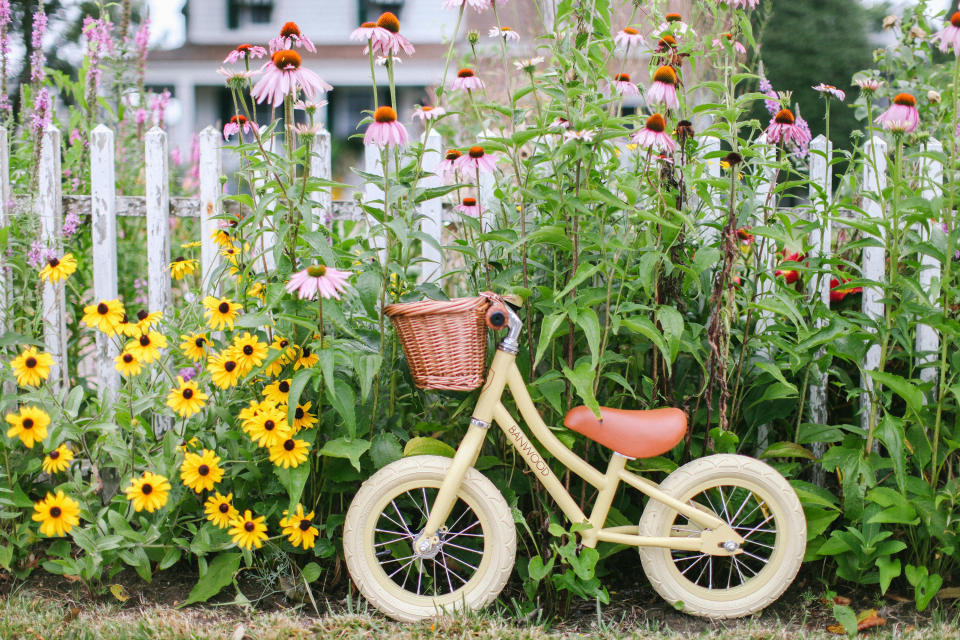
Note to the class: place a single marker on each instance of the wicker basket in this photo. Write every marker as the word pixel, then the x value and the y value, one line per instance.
pixel 445 342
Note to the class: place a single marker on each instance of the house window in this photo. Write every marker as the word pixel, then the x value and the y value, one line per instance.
pixel 370 10
pixel 242 13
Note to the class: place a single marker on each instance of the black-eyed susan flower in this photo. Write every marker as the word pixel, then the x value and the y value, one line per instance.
pixel 105 316
pixel 278 391
pixel 58 269
pixel 57 514
pixel 248 532
pixel 220 510
pixel 221 312
pixel 192 443
pixel 306 360
pixel 194 346
pixel 201 471
pixel 191 245
pixel 221 238
pixel 149 492
pixel 299 528
pixel 186 399
pixel 147 347
pixel 57 460
pixel 249 351
pixel 145 321
pixel 29 424
pixel 127 364
pixel 257 291
pixel 127 328
pixel 287 352
pixel 269 428
pixel 224 370
pixel 31 367
pixel 289 453
pixel 302 418
pixel 249 413
pixel 182 267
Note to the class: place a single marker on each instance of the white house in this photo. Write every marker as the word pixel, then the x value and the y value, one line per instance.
pixel 214 27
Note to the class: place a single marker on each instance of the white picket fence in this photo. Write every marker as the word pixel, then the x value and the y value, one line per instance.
pixel 104 205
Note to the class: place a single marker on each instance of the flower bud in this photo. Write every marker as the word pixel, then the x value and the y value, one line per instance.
pixel 933 96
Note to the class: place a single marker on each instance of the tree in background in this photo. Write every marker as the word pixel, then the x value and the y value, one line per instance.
pixel 806 42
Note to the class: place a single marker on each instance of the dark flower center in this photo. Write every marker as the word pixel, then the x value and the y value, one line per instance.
pixel 733 158
pixel 200 341
pixel 247 350
pixel 318 270
pixel 284 344
pixel 389 22
pixel 187 394
pixel 305 524
pixel 223 307
pixel 245 48
pixel 453 154
pixel 229 366
pixel 144 341
pixel 385 115
pixel 630 31
pixel 476 152
pixel 248 526
pixel 269 425
pixel 289 445
pixel 298 414
pixel 673 17
pixel 622 77
pixel 287 58
pixel 656 123
pixel 238 119
pixel 955 19
pixel 784 116
pixel 146 489
pixel 31 362
pixel 289 29
pixel 284 387
pixel 306 352
pixel 181 258
pixel 666 75
pixel 203 469
pixel 368 25
pixel 53 262
pixel 54 454
pixel 465 73
pixel 102 308
pixel 141 315
pixel 666 42
pixel 224 507
pixel 128 358
pixel 27 423
pixel 905 99
pixel 469 202
pixel 55 512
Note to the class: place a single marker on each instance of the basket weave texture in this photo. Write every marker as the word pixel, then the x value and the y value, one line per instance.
pixel 445 341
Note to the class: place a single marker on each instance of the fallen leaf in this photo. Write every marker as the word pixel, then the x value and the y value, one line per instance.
pixel 837 629
pixel 869 619
pixel 841 600
pixel 71 578
pixel 897 598
pixel 119 592
pixel 71 615
pixel 949 593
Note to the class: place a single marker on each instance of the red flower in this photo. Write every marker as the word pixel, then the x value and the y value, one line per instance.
pixel 837 294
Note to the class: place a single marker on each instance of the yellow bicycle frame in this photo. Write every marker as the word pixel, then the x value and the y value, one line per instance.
pixel 504 374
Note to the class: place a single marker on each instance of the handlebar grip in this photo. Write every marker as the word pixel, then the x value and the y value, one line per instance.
pixel 496 316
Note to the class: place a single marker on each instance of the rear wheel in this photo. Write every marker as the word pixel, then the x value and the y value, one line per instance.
pixel 473 556
pixel 759 504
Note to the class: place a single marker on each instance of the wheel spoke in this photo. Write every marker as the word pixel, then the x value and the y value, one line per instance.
pixel 400 515
pixel 383 544
pixel 457 546
pixel 403 567
pixel 460 533
pixel 763 560
pixel 458 560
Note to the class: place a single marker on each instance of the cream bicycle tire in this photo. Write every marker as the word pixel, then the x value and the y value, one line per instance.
pixel 423 475
pixel 748 481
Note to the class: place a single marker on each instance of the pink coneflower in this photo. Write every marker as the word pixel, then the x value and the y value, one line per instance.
pixel 291 37
pixel 370 32
pixel 385 130
pixel 623 85
pixel 867 85
pixel 675 25
pixel 950 35
pixel 508 34
pixel 628 37
pixel 448 166
pixel 326 281
pixel 560 123
pixel 466 79
pixel 393 43
pixel 784 128
pixel 831 90
pixel 737 45
pixel 245 52
pixel 284 76
pixel 427 112
pixel 470 207
pixel 237 78
pixel 476 160
pixel 902 116
pixel 741 4
pixel 664 88
pixel 237 124
pixel 654 135
pixel 586 135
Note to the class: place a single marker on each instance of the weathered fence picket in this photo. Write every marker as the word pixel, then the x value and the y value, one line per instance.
pixel 50 208
pixel 103 225
pixel 928 340
pixel 211 167
pixel 431 212
pixel 158 221
pixel 874 259
pixel 4 222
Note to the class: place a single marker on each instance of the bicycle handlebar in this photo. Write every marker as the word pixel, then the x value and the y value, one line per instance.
pixel 496 316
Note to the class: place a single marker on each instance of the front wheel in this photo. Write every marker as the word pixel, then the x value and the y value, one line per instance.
pixel 475 552
pixel 759 504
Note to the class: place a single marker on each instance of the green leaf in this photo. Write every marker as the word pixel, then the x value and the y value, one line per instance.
pixel 344 402
pixel 581 377
pixel 71 406
pixel 385 449
pixel 219 574
pixel 847 618
pixel 426 446
pixel 297 384
pixel 671 321
pixel 349 448
pixel 537 569
pixel 587 320
pixel 643 326
pixel 787 450
pixel 890 433
pixel 294 480
pixel 548 328
pixel 774 371
pixel 367 366
pixel 902 387
pixel 310 572
pixel 889 569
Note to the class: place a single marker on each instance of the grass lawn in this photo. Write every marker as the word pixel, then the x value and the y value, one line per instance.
pixel 37 614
